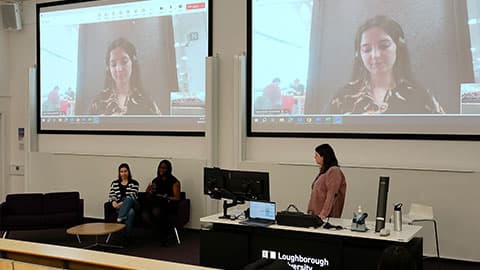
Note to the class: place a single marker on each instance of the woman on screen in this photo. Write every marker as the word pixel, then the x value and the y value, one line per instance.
pixel 382 80
pixel 162 193
pixel 123 92
pixel 329 187
pixel 123 195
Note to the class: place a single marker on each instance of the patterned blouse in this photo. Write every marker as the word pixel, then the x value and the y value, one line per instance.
pixel 404 98
pixel 115 193
pixel 107 103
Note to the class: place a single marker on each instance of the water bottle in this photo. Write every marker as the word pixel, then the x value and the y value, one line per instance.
pixel 397 217
pixel 358 213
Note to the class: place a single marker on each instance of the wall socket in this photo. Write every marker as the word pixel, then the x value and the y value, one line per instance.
pixel 16 169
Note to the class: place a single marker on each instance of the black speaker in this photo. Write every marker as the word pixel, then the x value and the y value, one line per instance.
pixel 382 203
pixel 11 16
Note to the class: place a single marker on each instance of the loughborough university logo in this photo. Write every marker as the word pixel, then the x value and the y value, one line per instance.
pixel 296 261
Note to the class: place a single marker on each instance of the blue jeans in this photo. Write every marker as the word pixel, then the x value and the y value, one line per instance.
pixel 127 212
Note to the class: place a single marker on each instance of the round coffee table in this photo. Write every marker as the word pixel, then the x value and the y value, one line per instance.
pixel 96 229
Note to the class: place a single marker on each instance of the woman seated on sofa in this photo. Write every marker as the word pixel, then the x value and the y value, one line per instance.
pixel 123 196
pixel 162 192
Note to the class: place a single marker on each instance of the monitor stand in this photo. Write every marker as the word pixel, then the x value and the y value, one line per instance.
pixel 227 205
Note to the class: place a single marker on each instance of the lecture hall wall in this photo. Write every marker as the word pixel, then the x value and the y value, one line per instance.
pixel 444 174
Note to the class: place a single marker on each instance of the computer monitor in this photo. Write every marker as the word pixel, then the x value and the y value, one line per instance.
pixel 238 186
pixel 248 185
pixel 214 183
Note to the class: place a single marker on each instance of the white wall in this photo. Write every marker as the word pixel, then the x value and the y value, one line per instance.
pixel 442 174
pixel 4 74
pixel 92 175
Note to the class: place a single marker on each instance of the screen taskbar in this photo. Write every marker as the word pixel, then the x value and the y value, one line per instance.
pixel 147 123
pixel 385 123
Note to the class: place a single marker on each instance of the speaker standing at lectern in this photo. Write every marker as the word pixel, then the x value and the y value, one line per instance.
pixel 329 187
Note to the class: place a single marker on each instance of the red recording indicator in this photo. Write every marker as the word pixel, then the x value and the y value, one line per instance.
pixel 196 5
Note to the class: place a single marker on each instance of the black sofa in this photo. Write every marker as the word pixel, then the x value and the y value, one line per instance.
pixel 176 220
pixel 31 211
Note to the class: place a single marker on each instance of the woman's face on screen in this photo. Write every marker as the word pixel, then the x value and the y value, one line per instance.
pixel 378 51
pixel 120 66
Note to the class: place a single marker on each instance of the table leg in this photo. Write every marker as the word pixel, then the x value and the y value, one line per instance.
pixel 106 244
pixel 78 238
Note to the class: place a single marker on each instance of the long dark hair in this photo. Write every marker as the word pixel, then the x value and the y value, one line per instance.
pixel 396 258
pixel 329 158
pixel 169 168
pixel 129 48
pixel 402 69
pixel 125 165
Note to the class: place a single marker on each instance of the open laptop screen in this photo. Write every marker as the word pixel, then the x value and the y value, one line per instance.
pixel 262 210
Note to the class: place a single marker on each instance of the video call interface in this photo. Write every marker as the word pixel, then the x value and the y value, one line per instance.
pixel 263 210
pixel 122 65
pixel 364 66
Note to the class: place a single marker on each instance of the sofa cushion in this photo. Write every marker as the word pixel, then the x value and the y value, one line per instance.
pixel 19 222
pixel 61 202
pixel 24 204
pixel 60 220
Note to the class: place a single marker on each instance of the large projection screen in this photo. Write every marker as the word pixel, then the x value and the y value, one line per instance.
pixel 122 67
pixel 402 69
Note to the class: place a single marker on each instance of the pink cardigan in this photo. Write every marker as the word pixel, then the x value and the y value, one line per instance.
pixel 328 194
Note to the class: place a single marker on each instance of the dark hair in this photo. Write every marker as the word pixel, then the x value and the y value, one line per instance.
pixel 396 258
pixel 169 167
pixel 329 158
pixel 401 69
pixel 125 165
pixel 129 48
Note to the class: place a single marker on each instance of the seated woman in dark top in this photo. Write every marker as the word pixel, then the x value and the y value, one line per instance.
pixel 382 80
pixel 162 193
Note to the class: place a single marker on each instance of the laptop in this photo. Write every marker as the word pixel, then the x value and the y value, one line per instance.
pixel 261 214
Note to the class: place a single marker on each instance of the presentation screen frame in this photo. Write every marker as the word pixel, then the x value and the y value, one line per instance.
pixel 194 132
pixel 255 132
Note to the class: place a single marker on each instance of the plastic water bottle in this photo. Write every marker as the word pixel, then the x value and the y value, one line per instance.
pixel 359 213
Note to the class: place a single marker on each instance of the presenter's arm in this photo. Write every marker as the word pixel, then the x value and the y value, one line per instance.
pixel 333 181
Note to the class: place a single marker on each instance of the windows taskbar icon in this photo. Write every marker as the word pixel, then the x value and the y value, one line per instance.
pixel 72 120
pixel 300 120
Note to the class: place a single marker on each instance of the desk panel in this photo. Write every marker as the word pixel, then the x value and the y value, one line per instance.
pixel 299 250
pixel 221 246
pixel 309 248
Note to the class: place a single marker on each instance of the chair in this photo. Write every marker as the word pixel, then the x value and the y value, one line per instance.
pixel 423 213
pixel 179 218
pixel 176 220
